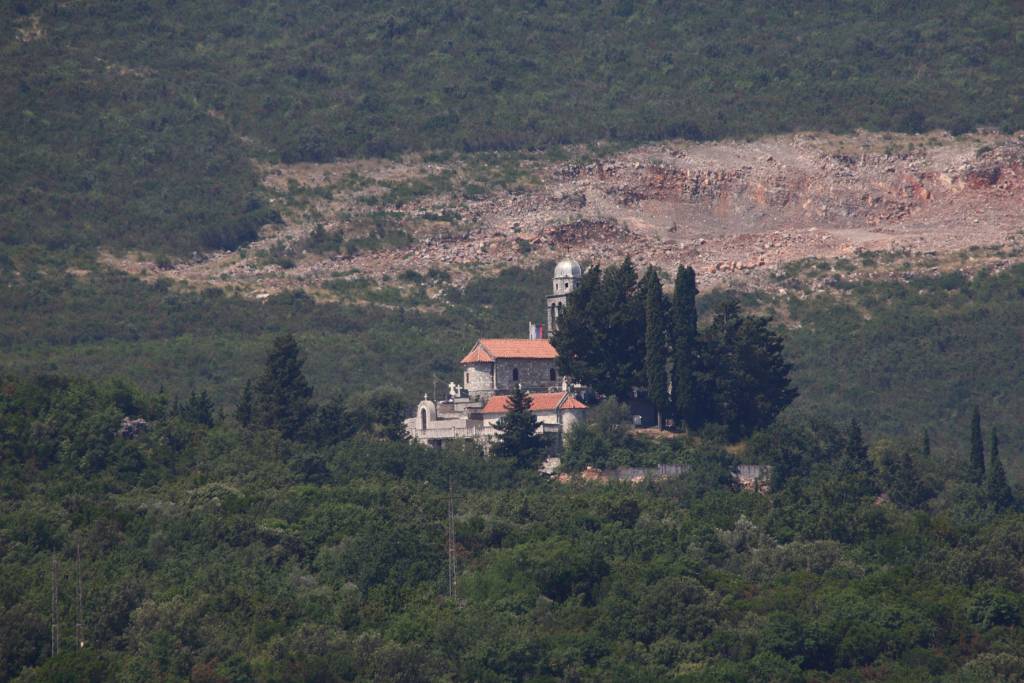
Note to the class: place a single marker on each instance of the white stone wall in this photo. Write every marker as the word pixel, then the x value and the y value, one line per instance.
pixel 477 377
pixel 440 428
pixel 567 418
pixel 563 285
pixel 533 374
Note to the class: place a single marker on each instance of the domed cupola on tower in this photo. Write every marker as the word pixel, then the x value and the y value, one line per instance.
pixel 566 278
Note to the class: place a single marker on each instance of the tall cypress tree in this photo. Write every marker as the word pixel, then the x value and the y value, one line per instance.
pixel 926 445
pixel 282 393
pixel 656 344
pixel 686 394
pixel 997 487
pixel 976 471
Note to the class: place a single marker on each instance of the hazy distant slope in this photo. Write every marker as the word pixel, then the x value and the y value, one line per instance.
pixel 124 122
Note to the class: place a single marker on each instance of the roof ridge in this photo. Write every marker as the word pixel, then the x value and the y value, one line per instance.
pixel 565 401
pixel 491 349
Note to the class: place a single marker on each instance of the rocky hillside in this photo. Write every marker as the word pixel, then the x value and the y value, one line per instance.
pixel 737 211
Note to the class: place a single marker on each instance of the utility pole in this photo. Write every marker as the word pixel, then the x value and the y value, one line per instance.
pixel 79 624
pixel 54 624
pixel 452 592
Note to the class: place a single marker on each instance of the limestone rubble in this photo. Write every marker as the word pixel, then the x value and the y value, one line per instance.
pixel 736 211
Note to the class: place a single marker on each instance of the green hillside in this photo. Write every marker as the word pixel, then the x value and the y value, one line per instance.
pixel 131 124
pixel 213 513
pixel 210 551
pixel 900 357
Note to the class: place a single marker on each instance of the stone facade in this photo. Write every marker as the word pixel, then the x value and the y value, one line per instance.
pixel 478 378
pixel 532 374
pixel 504 374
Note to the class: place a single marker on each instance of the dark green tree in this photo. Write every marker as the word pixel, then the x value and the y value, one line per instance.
pixel 858 475
pixel 745 370
pixel 282 394
pixel 687 399
pixel 900 479
pixel 578 355
pixel 518 438
pixel 926 445
pixel 656 345
pixel 600 336
pixel 997 488
pixel 380 413
pixel 198 408
pixel 620 338
pixel 331 423
pixel 246 405
pixel 976 470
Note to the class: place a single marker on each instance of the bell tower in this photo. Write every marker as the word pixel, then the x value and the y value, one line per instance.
pixel 565 281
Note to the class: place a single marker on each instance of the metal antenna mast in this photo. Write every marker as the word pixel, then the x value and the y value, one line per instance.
pixel 79 624
pixel 54 625
pixel 451 540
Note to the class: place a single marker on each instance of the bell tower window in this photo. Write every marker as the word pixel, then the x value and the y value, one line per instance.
pixel 515 374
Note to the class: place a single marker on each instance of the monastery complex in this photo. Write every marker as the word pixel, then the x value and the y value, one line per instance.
pixel 493 368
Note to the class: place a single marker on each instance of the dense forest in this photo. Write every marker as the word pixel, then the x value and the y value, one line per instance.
pixel 293 539
pixel 133 124
pixel 210 488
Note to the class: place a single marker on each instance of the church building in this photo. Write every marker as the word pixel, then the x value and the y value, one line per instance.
pixel 493 368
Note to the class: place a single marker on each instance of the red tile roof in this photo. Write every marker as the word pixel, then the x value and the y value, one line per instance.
pixel 541 401
pixel 489 350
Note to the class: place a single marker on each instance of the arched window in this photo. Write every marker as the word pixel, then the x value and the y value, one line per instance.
pixel 551 374
pixel 423 419
pixel 515 374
